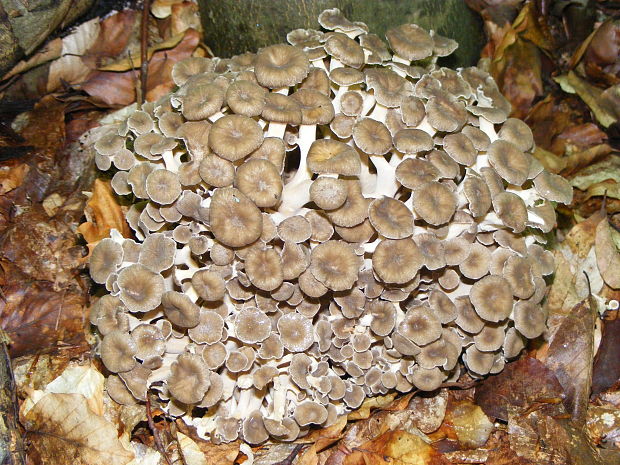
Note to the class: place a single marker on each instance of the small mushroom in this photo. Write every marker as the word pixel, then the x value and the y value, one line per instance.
pixel 189 379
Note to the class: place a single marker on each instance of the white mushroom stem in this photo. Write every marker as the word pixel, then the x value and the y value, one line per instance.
pixel 426 127
pixel 307 135
pixel 334 63
pixel 386 183
pixel 249 400
pixel 379 113
pixel 367 179
pixel 318 63
pixel 281 384
pixel 277 129
pixel 170 162
pixel 177 345
pixel 247 450
pixel 487 127
pixel 399 59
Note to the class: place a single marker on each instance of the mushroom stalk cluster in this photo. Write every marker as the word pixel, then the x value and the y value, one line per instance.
pixel 319 222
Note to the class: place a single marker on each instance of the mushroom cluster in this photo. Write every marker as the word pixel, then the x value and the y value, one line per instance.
pixel 316 223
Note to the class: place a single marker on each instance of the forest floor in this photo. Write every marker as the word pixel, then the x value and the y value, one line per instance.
pixel 559 65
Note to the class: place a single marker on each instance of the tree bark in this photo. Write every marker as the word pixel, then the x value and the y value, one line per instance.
pixel 236 26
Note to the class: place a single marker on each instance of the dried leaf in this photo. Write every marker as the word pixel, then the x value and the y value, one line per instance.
pixel 64 430
pixel 608 169
pixel 545 440
pixel 523 385
pixel 163 8
pixel 103 213
pixel 395 448
pixel 606 370
pixel 135 62
pixel 50 51
pixel 69 67
pixel 471 425
pixel 607 254
pixel 192 455
pixel 573 84
pixel 320 439
pixel 570 356
pixel 371 403
pixel 12 177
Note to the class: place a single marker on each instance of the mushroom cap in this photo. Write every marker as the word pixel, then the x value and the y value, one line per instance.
pixel 413 172
pixel 296 332
pixel 553 187
pixel 260 180
pixel 271 149
pixel 478 194
pixel 141 289
pixel 180 310
pixel 518 273
pixel 511 209
pixel 391 218
pixel 189 378
pixel 216 171
pixel 149 340
pixel 280 65
pixel 492 298
pixel 456 250
pixel 342 125
pixel 295 229
pixel 344 49
pixel 281 109
pixel 209 285
pixel 316 80
pixel 264 269
pixel 200 100
pixel 294 260
pixel 389 88
pixel 316 108
pixel 420 326
pixel 509 162
pixel 441 305
pixel 191 66
pixel 328 193
pixel 252 325
pixel 397 260
pixel 467 319
pixel 209 329
pixel 383 317
pixel 529 319
pixel 234 137
pixel 246 98
pixel 329 156
pixel 476 265
pixel 345 76
pixel 105 259
pixel 478 137
pixel 410 41
pixel 109 314
pixel 445 112
pixel 335 265
pixel 372 137
pixel 118 350
pixel 311 286
pixel 517 132
pixel 412 110
pixel 214 355
pixel 253 428
pixel 412 141
pixel 351 103
pixel 157 252
pixel 309 412
pixel 434 202
pixel 358 234
pixel 460 148
pixel 490 338
pixel 235 220
pixel 477 361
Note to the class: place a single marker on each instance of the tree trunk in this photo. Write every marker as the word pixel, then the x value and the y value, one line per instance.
pixel 236 26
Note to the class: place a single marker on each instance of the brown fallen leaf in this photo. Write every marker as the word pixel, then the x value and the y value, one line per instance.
pixel 395 448
pixel 606 370
pixel 62 429
pixel 102 214
pixel 545 440
pixel 523 385
pixel 570 356
pixel 371 403
pixel 603 426
pixel 12 177
pixel 607 253
pixel 127 63
pixel 572 83
pixel 319 440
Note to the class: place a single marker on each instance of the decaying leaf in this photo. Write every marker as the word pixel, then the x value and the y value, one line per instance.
pixel 395 448
pixel 127 63
pixel 603 426
pixel 64 430
pixel 371 403
pixel 192 455
pixel 471 425
pixel 591 95
pixel 523 385
pixel 12 177
pixel 570 356
pixel 606 370
pixel 608 254
pixel 103 213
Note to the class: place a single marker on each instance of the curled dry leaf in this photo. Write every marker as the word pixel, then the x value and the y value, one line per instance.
pixel 471 425
pixel 102 214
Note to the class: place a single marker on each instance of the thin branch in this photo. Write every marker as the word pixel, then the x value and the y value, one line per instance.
pixel 158 443
pixel 144 62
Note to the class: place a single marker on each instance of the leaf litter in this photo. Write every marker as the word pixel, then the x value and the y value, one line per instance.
pixel 567 91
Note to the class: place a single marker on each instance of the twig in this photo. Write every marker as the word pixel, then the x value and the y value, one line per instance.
pixel 144 62
pixel 149 419
pixel 290 457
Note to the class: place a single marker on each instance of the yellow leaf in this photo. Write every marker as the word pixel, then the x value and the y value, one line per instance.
pixel 10 178
pixel 371 403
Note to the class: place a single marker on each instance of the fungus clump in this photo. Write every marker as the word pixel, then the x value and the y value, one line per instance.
pixel 323 221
